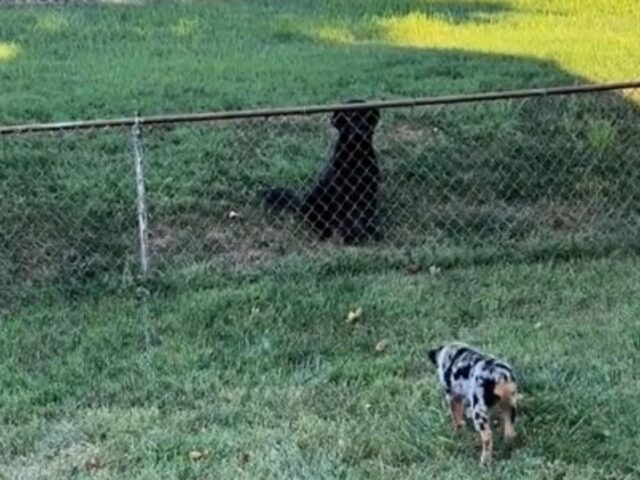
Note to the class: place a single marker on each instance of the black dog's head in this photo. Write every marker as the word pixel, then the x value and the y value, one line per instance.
pixel 433 355
pixel 356 122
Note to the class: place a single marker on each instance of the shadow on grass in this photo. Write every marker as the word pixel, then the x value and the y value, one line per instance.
pixel 453 11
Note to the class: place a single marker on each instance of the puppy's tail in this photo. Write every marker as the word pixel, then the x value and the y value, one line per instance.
pixel 280 199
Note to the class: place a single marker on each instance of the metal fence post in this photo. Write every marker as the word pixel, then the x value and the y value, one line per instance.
pixel 140 196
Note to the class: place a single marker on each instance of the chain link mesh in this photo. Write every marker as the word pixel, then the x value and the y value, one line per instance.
pixel 245 192
pixel 67 217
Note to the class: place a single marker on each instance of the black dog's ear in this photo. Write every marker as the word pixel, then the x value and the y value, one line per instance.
pixel 433 355
pixel 341 119
pixel 344 118
pixel 362 120
pixel 371 118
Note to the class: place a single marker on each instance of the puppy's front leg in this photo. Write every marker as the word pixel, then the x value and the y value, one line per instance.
pixel 508 413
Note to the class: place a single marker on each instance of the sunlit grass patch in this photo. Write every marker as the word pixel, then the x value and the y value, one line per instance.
pixel 555 36
pixel 51 22
pixel 185 27
pixel 8 51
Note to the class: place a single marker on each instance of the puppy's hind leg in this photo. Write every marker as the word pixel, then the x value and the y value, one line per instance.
pixel 457 411
pixel 482 425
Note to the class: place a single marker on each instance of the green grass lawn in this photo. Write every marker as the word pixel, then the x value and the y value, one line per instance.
pixel 253 366
pixel 264 374
pixel 84 62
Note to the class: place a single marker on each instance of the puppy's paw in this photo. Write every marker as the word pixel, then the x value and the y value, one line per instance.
pixel 485 460
pixel 509 433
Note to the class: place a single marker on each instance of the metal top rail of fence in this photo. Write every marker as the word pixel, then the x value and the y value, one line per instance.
pixel 316 109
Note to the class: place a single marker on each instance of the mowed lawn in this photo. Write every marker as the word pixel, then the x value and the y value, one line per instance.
pixel 256 374
pixel 114 59
pixel 265 379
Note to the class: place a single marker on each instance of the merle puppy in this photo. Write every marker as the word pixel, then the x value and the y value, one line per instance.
pixel 474 383
pixel 344 198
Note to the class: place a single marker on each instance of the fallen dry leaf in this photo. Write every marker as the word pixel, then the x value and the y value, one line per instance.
pixel 433 270
pixel 354 315
pixel 413 268
pixel 243 458
pixel 198 454
pixel 94 463
pixel 382 345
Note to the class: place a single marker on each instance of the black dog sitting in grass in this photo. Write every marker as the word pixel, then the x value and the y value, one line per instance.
pixel 345 196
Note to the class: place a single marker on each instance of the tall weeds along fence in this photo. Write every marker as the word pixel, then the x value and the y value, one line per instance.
pixel 106 203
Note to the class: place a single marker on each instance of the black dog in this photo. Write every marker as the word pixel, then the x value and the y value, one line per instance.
pixel 345 196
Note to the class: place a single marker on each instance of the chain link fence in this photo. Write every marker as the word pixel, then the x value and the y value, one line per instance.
pixel 97 207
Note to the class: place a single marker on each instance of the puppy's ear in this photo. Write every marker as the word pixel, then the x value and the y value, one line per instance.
pixel 433 355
